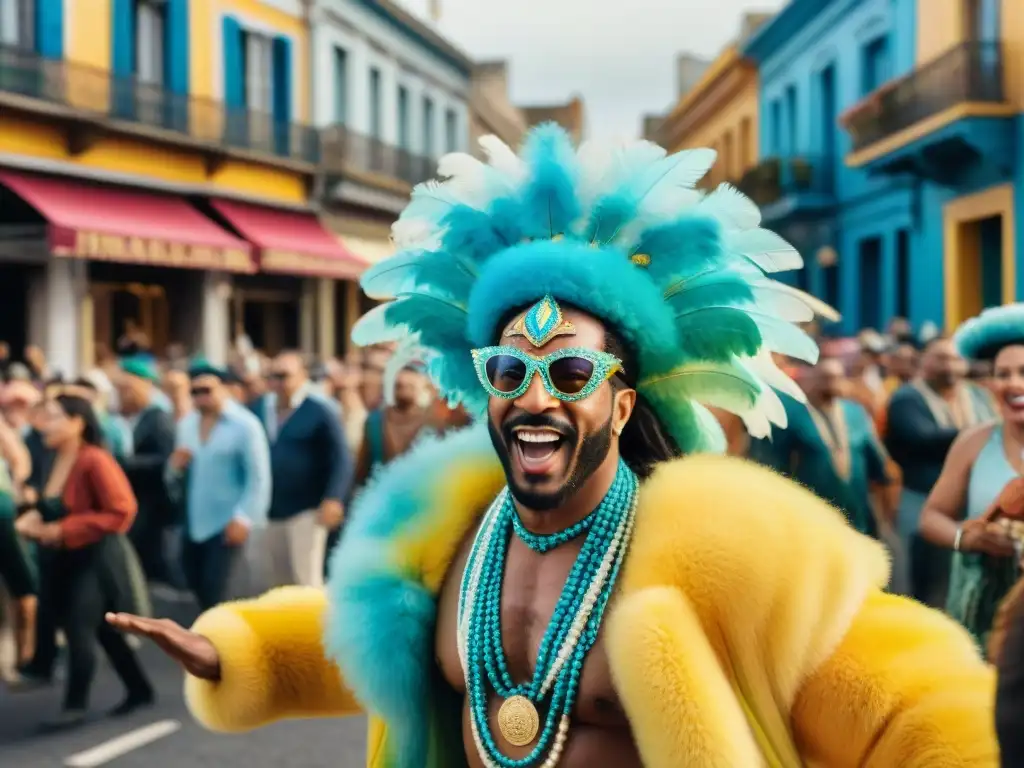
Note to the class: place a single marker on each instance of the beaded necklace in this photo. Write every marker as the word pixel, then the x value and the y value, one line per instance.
pixel 571 633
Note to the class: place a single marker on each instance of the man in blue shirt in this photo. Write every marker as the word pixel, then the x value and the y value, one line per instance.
pixel 221 470
pixel 312 472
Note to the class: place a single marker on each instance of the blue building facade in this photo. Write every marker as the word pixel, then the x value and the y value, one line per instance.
pixel 855 227
pixel 949 128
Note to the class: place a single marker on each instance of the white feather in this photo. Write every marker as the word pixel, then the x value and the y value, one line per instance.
pixel 711 431
pixel 373 328
pixel 763 366
pixel 422 234
pixel 503 159
pixel 814 304
pixel 607 165
pixel 731 208
pixel 765 248
pixel 470 180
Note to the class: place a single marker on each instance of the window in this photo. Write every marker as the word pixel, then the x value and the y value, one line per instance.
pixel 727 156
pixel 428 127
pixel 403 117
pixel 375 105
pixel 870 252
pixel 789 138
pixel 746 146
pixel 16 23
pixel 875 65
pixel 258 60
pixel 149 41
pixel 775 135
pixel 828 111
pixel 451 130
pixel 340 86
pixel 981 20
pixel 903 273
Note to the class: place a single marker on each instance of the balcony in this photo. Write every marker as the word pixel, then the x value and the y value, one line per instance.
pixel 91 103
pixel 937 120
pixel 350 154
pixel 787 188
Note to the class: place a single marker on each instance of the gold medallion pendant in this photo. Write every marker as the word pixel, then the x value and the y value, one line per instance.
pixel 518 721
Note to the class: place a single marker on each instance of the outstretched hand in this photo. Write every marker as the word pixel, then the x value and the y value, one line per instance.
pixel 192 651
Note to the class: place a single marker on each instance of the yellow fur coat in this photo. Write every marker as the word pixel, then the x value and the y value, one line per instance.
pixel 749 629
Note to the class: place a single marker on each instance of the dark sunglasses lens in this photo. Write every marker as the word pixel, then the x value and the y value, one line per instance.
pixel 570 375
pixel 200 391
pixel 505 372
pixel 278 376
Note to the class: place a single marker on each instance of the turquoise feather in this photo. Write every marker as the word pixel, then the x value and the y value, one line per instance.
pixel 692 427
pixel 722 386
pixel 718 334
pixel 550 204
pixel 712 289
pixel 429 270
pixel 681 248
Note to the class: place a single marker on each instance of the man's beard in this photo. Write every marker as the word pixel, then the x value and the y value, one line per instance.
pixel 593 450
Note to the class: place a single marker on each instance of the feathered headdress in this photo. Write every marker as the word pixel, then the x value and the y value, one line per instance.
pixel 619 232
pixel 981 337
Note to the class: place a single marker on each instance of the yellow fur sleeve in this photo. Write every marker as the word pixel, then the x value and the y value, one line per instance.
pixel 273 664
pixel 906 687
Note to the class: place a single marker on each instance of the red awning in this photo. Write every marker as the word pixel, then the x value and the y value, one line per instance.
pixel 291 242
pixel 103 223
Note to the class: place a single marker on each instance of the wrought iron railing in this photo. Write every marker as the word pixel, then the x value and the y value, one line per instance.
pixel 104 95
pixel 776 177
pixel 343 150
pixel 970 72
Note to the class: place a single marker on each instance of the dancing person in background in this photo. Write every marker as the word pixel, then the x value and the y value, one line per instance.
pixel 87 567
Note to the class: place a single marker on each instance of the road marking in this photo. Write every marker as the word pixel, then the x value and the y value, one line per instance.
pixel 122 745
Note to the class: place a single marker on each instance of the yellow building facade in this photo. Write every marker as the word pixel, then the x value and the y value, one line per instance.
pixel 89 32
pixel 195 113
pixel 720 112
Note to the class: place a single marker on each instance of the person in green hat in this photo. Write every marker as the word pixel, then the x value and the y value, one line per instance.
pixel 152 433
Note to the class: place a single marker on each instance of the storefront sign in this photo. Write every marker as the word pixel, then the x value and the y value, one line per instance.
pixel 99 246
pixel 291 262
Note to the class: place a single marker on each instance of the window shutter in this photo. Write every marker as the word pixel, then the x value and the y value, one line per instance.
pixel 176 69
pixel 123 53
pixel 282 95
pixel 50 28
pixel 234 85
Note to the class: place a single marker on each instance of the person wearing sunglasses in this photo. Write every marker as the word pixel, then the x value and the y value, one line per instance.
pixel 220 473
pixel 568 582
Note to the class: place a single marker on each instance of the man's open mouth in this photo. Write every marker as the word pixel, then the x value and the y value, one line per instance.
pixel 537 448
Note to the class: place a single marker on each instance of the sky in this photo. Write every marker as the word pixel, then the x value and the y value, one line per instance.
pixel 619 56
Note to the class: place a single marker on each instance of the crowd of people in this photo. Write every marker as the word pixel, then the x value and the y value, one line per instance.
pixel 176 477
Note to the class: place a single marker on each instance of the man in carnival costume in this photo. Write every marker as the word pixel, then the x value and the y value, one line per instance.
pixel 587 303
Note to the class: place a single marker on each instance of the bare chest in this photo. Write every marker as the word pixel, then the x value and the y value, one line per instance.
pixel 531 588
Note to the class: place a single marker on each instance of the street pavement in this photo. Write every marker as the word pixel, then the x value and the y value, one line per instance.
pixel 165 735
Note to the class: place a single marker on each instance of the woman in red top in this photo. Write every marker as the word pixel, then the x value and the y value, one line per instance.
pixel 86 565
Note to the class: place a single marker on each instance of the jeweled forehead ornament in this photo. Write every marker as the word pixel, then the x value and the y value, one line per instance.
pixel 541 323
